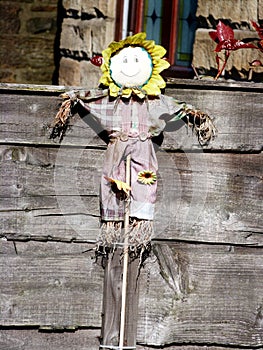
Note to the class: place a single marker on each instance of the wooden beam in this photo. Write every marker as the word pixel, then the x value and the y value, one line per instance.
pixel 28 339
pixel 187 291
pixel 203 283
pixel 26 115
pixel 51 194
pixel 50 286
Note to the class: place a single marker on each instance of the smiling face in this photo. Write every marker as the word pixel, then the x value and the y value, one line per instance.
pixel 131 66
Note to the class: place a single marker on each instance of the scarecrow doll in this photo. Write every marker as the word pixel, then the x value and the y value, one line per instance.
pixel 130 107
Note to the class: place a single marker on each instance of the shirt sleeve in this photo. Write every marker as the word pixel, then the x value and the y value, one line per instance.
pixel 176 109
pixel 201 124
pixel 69 107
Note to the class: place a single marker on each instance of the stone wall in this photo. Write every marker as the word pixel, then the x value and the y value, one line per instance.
pixel 28 32
pixel 238 15
pixel 87 28
pixel 44 39
pixel 52 41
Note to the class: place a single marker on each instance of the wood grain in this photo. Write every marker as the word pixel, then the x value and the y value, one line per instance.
pixel 189 293
pixel 49 193
pixel 211 295
pixel 202 286
pixel 26 115
pixel 58 289
pixel 32 339
pixel 28 339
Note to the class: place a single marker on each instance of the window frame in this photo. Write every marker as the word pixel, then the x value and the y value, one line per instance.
pixel 135 25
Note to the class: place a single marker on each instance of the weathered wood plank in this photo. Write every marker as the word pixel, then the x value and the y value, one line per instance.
pixel 208 84
pixel 25 116
pixel 30 339
pixel 189 293
pixel 35 249
pixel 58 288
pixel 25 119
pixel 237 116
pixel 171 83
pixel 51 193
pixel 189 347
pixel 33 88
pixel 210 195
pixel 211 295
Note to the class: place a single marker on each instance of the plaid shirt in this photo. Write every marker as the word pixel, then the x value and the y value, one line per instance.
pixel 138 121
pixel 135 117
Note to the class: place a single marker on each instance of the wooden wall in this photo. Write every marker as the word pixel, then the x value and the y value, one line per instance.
pixel 202 286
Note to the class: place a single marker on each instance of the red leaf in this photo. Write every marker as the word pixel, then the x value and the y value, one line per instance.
pixel 214 36
pixel 233 44
pixel 241 45
pixel 224 32
pixel 97 60
pixel 258 28
pixel 225 45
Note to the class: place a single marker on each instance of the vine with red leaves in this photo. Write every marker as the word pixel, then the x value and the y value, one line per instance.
pixel 225 39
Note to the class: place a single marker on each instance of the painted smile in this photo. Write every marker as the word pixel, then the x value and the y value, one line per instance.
pixel 131 74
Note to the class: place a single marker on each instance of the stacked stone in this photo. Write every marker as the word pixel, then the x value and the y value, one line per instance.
pixel 87 28
pixel 238 15
pixel 46 41
pixel 28 31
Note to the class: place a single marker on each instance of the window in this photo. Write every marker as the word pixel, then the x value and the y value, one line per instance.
pixel 171 23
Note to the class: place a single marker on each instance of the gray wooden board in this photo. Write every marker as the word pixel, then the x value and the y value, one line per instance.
pixel 189 293
pixel 211 295
pixel 84 339
pixel 50 284
pixel 237 116
pixel 49 193
pixel 31 339
pixel 206 294
pixel 188 347
pixel 25 117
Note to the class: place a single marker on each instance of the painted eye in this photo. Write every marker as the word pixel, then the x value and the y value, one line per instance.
pixel 136 59
pixel 125 60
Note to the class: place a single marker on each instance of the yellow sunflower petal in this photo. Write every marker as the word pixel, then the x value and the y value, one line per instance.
pixel 114 89
pixel 139 93
pixel 152 87
pixel 159 51
pixel 105 79
pixel 149 45
pixel 122 186
pixel 158 81
pixel 137 38
pixel 161 65
pixel 152 90
pixel 126 92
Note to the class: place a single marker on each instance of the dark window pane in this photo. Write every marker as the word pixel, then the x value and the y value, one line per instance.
pixel 152 25
pixel 186 32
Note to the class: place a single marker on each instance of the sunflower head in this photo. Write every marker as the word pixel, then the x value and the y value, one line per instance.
pixel 147 177
pixel 133 66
